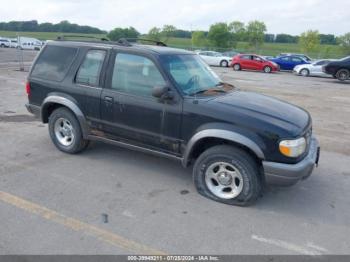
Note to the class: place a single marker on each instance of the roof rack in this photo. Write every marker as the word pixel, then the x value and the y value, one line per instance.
pixel 128 41
pixel 65 37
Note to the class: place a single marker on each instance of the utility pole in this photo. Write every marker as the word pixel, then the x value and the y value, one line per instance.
pixel 20 53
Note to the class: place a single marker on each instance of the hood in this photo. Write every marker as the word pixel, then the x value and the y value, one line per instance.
pixel 265 108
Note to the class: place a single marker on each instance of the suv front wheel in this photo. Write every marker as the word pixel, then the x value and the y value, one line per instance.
pixel 65 131
pixel 228 175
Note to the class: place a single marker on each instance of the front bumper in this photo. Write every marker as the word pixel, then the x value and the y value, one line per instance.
pixel 288 174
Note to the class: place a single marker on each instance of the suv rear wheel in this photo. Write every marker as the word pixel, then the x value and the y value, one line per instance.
pixel 228 175
pixel 65 131
pixel 343 74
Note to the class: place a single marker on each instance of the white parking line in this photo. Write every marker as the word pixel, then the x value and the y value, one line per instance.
pixel 314 251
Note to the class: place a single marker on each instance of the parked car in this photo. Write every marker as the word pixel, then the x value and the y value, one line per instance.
pixel 215 58
pixel 314 69
pixel 13 43
pixel 289 62
pixel 253 62
pixel 339 69
pixel 305 57
pixel 5 42
pixel 31 45
pixel 168 102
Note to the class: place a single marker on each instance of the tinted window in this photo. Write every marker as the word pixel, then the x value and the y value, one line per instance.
pixel 54 62
pixel 89 71
pixel 246 57
pixel 135 75
pixel 296 59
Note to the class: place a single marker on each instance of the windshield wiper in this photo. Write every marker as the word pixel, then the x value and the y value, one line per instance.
pixel 218 90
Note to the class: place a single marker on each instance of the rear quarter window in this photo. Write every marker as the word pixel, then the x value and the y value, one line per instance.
pixel 54 62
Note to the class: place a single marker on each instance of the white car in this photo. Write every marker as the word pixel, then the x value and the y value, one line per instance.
pixel 13 43
pixel 31 45
pixel 314 69
pixel 5 42
pixel 215 58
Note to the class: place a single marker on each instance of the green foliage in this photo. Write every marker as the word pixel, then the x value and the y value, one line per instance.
pixel 220 36
pixel 328 39
pixel 344 42
pixel 199 38
pixel 256 33
pixel 285 38
pixel 167 32
pixel 63 26
pixel 154 34
pixel 118 33
pixel 309 41
pixel 237 30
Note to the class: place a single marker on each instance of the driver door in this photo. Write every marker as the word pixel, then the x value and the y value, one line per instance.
pixel 130 112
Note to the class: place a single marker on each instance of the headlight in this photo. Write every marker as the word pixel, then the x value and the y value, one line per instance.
pixel 293 148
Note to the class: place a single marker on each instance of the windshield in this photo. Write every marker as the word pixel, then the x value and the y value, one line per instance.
pixel 345 58
pixel 191 73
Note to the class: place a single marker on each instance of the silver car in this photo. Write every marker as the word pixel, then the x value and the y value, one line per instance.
pixel 314 69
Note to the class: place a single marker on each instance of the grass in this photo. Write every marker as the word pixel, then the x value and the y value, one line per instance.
pixel 270 49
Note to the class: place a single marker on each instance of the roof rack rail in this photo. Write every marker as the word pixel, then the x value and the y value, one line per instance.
pixel 127 41
pixel 65 37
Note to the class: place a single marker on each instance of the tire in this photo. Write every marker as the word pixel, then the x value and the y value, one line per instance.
pixel 304 72
pixel 342 74
pixel 267 69
pixel 65 131
pixel 224 63
pixel 237 67
pixel 219 185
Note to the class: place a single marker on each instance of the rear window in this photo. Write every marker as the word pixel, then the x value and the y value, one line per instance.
pixel 53 63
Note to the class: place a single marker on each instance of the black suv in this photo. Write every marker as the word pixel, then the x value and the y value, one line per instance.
pixel 168 102
pixel 339 69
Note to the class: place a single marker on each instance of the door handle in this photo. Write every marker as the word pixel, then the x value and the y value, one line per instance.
pixel 108 100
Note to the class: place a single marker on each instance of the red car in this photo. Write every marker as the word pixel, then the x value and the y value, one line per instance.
pixel 253 62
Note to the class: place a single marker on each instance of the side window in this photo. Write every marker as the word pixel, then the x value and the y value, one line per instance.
pixel 136 75
pixel 245 57
pixel 89 71
pixel 286 59
pixel 296 59
pixel 53 63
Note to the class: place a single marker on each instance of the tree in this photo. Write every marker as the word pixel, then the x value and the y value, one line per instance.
pixel 344 42
pixel 199 39
pixel 285 38
pixel 327 39
pixel 309 41
pixel 154 34
pixel 220 36
pixel 256 33
pixel 168 31
pixel 238 30
pixel 269 38
pixel 118 33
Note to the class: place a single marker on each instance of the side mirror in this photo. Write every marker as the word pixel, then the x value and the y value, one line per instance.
pixel 159 91
pixel 162 92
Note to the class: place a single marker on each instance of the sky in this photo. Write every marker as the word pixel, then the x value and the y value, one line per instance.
pixel 280 16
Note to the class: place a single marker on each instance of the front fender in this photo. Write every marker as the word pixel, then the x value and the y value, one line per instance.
pixel 69 103
pixel 221 134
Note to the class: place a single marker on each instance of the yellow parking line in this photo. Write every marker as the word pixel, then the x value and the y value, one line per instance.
pixel 77 225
